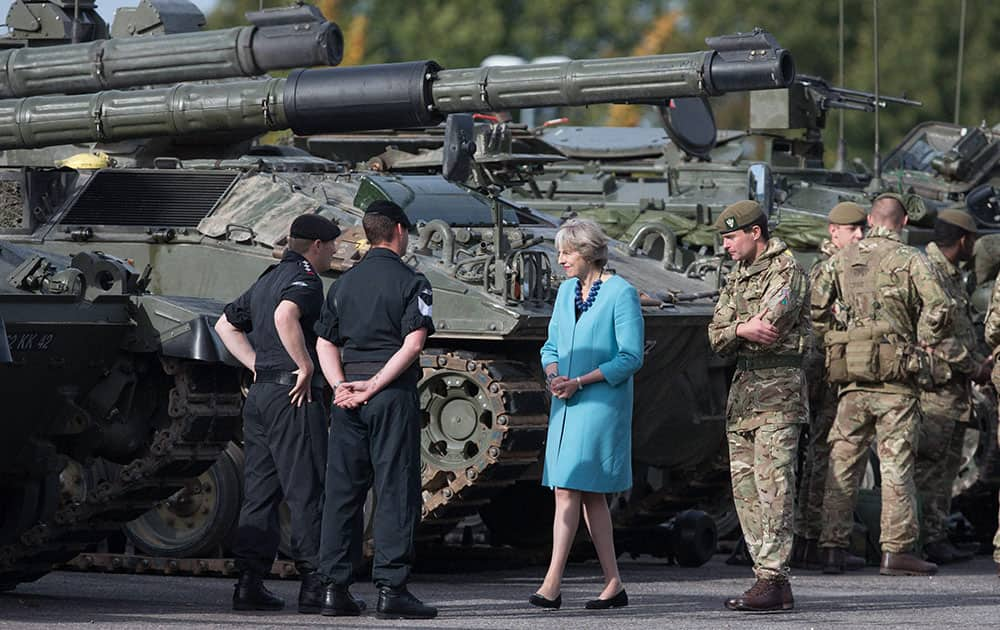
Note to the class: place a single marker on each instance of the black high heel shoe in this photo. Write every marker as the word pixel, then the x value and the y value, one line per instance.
pixel 544 602
pixel 618 601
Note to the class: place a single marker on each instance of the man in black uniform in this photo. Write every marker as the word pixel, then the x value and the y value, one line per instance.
pixel 371 332
pixel 270 330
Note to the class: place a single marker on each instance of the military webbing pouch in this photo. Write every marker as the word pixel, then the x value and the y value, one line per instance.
pixel 836 363
pixel 865 354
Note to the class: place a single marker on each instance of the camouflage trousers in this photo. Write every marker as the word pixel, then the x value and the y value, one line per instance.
pixel 812 483
pixel 892 420
pixel 762 467
pixel 939 456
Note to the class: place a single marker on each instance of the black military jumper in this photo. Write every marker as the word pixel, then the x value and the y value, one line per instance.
pixel 285 446
pixel 368 313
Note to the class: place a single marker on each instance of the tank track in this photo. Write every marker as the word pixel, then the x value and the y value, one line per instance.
pixel 513 432
pixel 202 418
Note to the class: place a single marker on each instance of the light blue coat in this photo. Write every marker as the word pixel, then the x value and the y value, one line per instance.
pixel 589 444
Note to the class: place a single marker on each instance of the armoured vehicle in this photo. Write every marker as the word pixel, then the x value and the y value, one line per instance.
pixel 115 397
pixel 679 176
pixel 208 224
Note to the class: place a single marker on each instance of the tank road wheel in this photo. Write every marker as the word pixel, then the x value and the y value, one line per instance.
pixel 483 424
pixel 197 519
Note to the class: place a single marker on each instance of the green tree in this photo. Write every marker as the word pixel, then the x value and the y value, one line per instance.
pixel 918 45
pixel 918 49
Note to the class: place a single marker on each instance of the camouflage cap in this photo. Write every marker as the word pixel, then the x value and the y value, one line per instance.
pixel 739 215
pixel 958 218
pixel 847 213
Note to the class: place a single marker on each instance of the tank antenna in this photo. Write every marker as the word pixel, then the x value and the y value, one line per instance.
pixel 961 55
pixel 76 21
pixel 841 142
pixel 876 183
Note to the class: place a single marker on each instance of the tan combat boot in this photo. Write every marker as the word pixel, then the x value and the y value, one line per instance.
pixel 764 596
pixel 905 564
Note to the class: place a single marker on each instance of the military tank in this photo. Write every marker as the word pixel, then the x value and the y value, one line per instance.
pixel 115 397
pixel 209 225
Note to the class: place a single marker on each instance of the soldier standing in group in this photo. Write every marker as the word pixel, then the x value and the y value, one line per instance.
pixel 284 416
pixel 993 341
pixel 762 319
pixel 891 301
pixel 846 225
pixel 947 409
pixel 375 321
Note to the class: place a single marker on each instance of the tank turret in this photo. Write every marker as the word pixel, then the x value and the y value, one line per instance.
pixel 389 95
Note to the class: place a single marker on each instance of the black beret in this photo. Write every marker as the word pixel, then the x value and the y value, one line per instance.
pixel 389 209
pixel 314 227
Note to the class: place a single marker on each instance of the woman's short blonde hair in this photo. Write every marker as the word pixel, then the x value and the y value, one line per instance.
pixel 586 238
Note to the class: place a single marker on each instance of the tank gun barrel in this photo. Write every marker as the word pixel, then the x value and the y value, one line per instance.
pixel 400 95
pixel 737 63
pixel 278 39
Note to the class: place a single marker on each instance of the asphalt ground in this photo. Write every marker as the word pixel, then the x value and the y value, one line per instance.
pixel 965 596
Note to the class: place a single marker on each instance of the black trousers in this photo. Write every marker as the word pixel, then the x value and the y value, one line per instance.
pixel 285 450
pixel 375 446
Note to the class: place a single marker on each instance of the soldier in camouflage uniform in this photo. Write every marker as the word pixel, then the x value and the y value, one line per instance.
pixel 846 225
pixel 993 341
pixel 889 299
pixel 947 409
pixel 761 318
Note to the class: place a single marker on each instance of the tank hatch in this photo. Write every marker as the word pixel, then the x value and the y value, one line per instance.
pixel 427 197
pixel 605 142
pixel 145 197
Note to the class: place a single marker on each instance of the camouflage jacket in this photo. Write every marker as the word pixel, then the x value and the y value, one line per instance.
pixel 820 278
pixel 993 318
pixel 959 351
pixel 993 331
pixel 909 297
pixel 774 283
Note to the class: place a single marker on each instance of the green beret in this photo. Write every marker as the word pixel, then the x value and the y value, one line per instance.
pixel 847 213
pixel 959 218
pixel 738 216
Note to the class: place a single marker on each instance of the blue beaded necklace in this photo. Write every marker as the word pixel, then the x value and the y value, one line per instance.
pixel 583 305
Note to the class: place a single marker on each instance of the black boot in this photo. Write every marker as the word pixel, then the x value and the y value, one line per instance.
pixel 311 593
pixel 251 594
pixel 399 603
pixel 338 602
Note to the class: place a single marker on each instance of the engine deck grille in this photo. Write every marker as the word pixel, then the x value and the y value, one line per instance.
pixel 149 198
